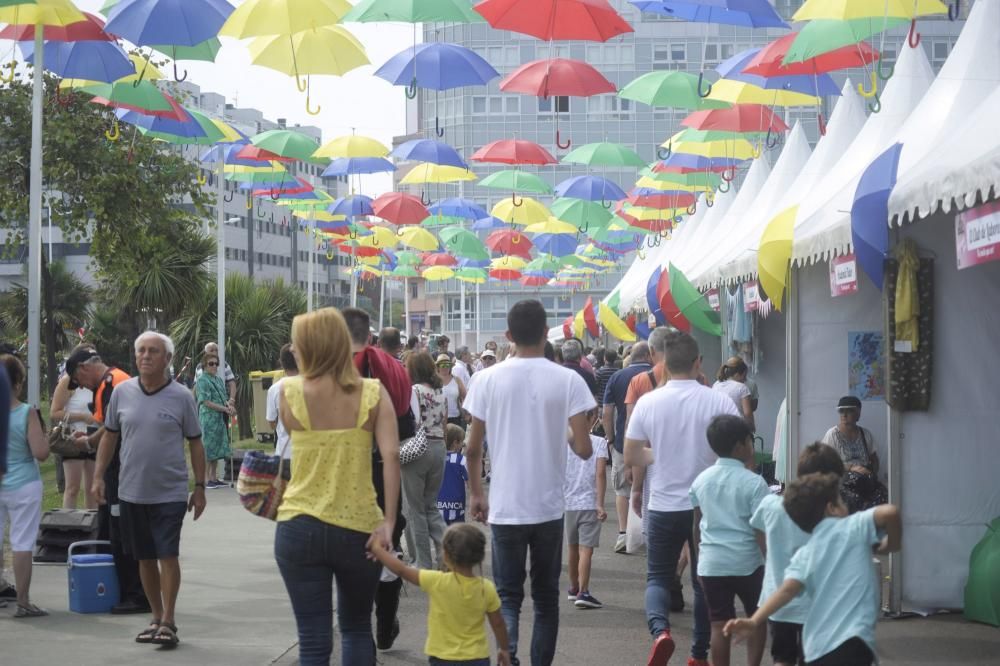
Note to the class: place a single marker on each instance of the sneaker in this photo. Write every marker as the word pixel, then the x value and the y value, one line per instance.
pixel 385 639
pixel 662 650
pixel 697 662
pixel 211 485
pixel 8 592
pixel 572 594
pixel 620 544
pixel 586 600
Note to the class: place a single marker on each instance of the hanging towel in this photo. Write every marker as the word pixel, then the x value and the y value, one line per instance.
pixel 907 298
pixel 780 451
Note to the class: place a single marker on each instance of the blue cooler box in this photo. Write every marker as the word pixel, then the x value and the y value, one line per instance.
pixel 93 583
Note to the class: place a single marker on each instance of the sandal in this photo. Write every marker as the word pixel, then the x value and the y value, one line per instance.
pixel 31 610
pixel 166 636
pixel 146 635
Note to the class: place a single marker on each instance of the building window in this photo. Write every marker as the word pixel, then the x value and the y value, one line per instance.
pixel 496 105
pixel 557 104
pixel 413 290
pixel 479 105
pixel 513 104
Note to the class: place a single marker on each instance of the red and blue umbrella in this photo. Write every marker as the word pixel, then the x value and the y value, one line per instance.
pixel 807 84
pixel 870 213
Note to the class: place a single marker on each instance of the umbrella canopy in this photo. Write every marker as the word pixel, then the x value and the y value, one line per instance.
pixel 524 211
pixel 589 188
pixel 816 84
pixel 286 143
pixel 543 263
pixel 613 324
pixel 552 226
pixel 471 275
pixel 463 243
pixel 584 215
pixel 740 118
pixel 693 304
pixel 249 152
pixel 351 146
pixel 516 181
pixel 669 89
pixel 405 271
pixel 535 279
pixel 604 154
pixel 206 51
pixel 418 239
pixel 668 307
pixel 557 76
pixel 145 98
pixel 511 242
pixel 439 259
pixel 439 221
pixel 742 92
pixel 856 9
pixel 91 28
pixel 557 245
pixel 774 254
pixel 770 60
pixel 427 150
pixel 180 22
pixel 413 11
pixel 870 213
pixel 684 162
pixel 548 20
pixel 399 208
pixel 736 149
pixel 457 207
pixel 488 223
pixel 408 258
pixel 352 206
pixel 743 13
pixel 437 273
pixel 56 13
pixel 513 151
pixel 348 166
pixel 327 50
pixel 437 66
pixel 255 18
pixel 824 35
pixel 436 173
pixel 92 60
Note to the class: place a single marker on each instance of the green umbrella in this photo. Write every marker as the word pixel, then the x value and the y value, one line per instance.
pixel 287 143
pixel 106 7
pixel 438 221
pixel 145 96
pixel 413 11
pixel 463 243
pixel 584 214
pixel 693 304
pixel 982 589
pixel 825 35
pixel 408 258
pixel 693 178
pixel 545 263
pixel 9 3
pixel 206 51
pixel 406 271
pixel 265 179
pixel 697 135
pixel 516 181
pixel 669 88
pixel 469 274
pixel 615 300
pixel 604 154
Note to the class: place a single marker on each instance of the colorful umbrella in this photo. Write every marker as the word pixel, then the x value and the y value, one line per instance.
pixel 589 318
pixel 584 215
pixel 693 304
pixel 405 271
pixel 440 259
pixel 523 211
pixel 548 20
pixel 457 207
pixel 326 50
pixel 349 166
pixel 613 324
pixel 436 173
pixel 413 11
pixel 742 92
pixel 870 213
pixel 145 98
pixel 557 76
pixel 437 66
pixel 535 279
pixel 92 60
pixel 513 151
pixel 286 143
pixel 440 221
pixel 488 223
pixel 858 9
pixel 668 307
pixel 49 13
pixel 351 146
pixel 824 35
pixel 774 254
pixel 91 28
pixel 740 118
pixel 418 239
pixel 516 181
pixel 669 89
pixel 589 188
pixel 408 258
pixel 180 22
pixel 543 263
pixel 471 275
pixel 604 154
pixel 255 18
pixel 743 13
pixel 427 150
pixel 399 208
pixel 557 245
pixel 463 243
pixel 509 241
pixel 769 61
pixel 507 267
pixel 351 206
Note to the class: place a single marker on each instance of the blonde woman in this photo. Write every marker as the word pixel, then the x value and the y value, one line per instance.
pixel 732 381
pixel 328 517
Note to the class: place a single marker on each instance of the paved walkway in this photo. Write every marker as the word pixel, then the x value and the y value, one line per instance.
pixel 233 610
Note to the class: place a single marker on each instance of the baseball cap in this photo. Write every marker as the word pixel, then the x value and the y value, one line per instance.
pixel 849 402
pixel 488 353
pixel 443 358
pixel 74 361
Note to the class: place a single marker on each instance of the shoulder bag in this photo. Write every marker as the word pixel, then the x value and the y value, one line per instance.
pixel 262 482
pixel 414 447
pixel 61 440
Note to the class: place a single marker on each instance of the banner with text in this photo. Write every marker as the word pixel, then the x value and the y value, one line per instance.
pixel 977 235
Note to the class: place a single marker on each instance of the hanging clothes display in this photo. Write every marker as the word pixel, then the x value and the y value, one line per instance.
pixel 909 380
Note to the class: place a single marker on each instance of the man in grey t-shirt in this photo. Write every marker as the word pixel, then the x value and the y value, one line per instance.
pixel 152 416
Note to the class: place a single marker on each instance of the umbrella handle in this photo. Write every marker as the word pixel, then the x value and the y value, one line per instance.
pixel 228 197
pixel 411 90
pixel 709 201
pixel 875 106
pixel 309 110
pixel 586 227
pixel 727 187
pixel 353 233
pixel 424 199
pixel 399 231
pixel 272 217
pixel 249 202
pixel 275 195
pixel 9 78
pixel 954 9
pixel 693 208
pixel 515 202
pixel 179 79
pixel 201 178
pixel 437 127
pixel 868 94
pixel 771 141
pixel 756 150
pixel 913 37
pixel 142 72
pixel 115 133
pixel 664 153
pixel 703 92
pixel 607 204
pixel 821 121
pixel 260 209
pixel 560 144
pixel 299 84
pixel 642 255
pixel 885 74
pixel 329 255
pixel 729 174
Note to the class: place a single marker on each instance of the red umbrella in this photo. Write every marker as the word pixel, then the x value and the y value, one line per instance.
pixel 510 241
pixel 505 274
pixel 513 151
pixel 400 208
pixel 534 280
pixel 738 118
pixel 440 259
pixel 663 201
pixel 91 29
pixel 660 167
pixel 568 327
pixel 176 112
pixel 630 321
pixel 557 77
pixel 251 152
pixel 269 192
pixel 769 61
pixel 668 306
pixel 590 319
pixel 590 20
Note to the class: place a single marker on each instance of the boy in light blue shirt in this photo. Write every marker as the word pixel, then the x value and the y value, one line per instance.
pixel 784 538
pixel 835 569
pixel 730 561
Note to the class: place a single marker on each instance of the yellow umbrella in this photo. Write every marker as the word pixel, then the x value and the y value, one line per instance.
pixel 229 133
pixel 269 168
pixel 649 183
pixel 860 9
pixel 552 226
pixel 54 13
pixel 319 216
pixel 256 18
pixel 613 324
pixel 380 237
pixel 426 172
pixel 418 238
pixel 528 212
pixel 326 50
pixel 152 74
pixel 738 149
pixel 741 92
pixel 508 262
pixel 775 253
pixel 352 145
pixel 646 214
pixel 437 273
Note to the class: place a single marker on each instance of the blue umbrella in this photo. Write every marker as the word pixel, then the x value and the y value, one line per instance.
pixel 228 153
pixel 651 300
pixel 167 22
pixel 437 66
pixel 689 161
pixel 642 329
pixel 352 206
pixel 348 166
pixel 870 213
pixel 428 150
pixel 590 188
pixel 189 128
pixel 284 181
pixel 744 13
pixel 488 223
pixel 820 85
pixel 558 245
pixel 473 263
pixel 457 207
pixel 90 60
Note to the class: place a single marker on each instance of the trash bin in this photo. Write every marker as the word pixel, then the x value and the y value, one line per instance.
pixel 260 381
pixel 93 582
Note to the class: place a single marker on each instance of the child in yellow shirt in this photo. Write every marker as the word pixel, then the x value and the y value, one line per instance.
pixel 458 600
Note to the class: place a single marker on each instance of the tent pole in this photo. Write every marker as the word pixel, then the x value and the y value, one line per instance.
pixel 895 486
pixel 35 228
pixel 220 258
pixel 792 376
pixel 381 302
pixel 311 240
pixel 406 306
pixel 479 319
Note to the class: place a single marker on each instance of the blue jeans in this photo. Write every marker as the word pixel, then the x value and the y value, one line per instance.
pixel 434 661
pixel 665 538
pixel 511 545
pixel 310 554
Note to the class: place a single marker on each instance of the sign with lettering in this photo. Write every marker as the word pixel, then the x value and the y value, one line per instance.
pixel 713 299
pixel 751 296
pixel 977 235
pixel 843 275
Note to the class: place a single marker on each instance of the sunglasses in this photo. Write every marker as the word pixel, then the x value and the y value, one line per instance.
pixel 444 365
pixel 212 364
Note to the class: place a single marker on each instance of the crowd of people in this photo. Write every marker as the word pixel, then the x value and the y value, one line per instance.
pixel 558 425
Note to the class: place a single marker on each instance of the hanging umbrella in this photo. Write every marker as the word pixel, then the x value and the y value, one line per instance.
pixel 870 213
pixel 516 181
pixel 187 128
pixel 351 206
pixel 548 20
pixel 824 35
pixel 145 98
pixel 613 324
pixel 743 93
pixel 439 221
pixel 255 18
pixel 408 258
pixel 405 271
pixel 427 150
pixel 251 152
pixel 557 77
pixel 508 241
pixel 412 11
pixel 583 214
pixel 590 318
pixel 463 243
pixel 668 307
pixel 326 50
pixel 685 162
pixel 180 22
pixel 513 151
pixel 774 254
pixel 457 207
pixel 982 589
pixel 376 236
pixel 589 188
pixel 471 275
pixel 488 223
pixel 535 279
pixel 858 9
pixel 693 304
pixel 738 149
pixel 543 263
pixel 740 118
pixel 604 154
pixel 286 143
pixel 523 211
pixel 732 69
pixel 92 60
pixel 91 28
pixel 552 225
pixel 436 173
pixel 743 13
pixel 399 208
pixel 418 239
pixel 557 245
pixel 439 259
pixel 351 146
pixel 48 13
pixel 669 89
pixel 769 61
pixel 507 267
pixel 349 166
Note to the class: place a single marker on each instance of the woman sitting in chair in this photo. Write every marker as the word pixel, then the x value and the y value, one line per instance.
pixel 861 488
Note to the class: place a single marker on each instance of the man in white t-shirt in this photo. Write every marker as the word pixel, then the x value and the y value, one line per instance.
pixel 283 443
pixel 525 404
pixel 672 421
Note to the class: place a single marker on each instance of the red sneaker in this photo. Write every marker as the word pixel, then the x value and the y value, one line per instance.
pixel 698 662
pixel 663 649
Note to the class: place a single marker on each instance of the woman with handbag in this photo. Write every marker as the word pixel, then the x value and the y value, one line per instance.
pixel 213 412
pixel 454 390
pixel 422 477
pixel 329 515
pixel 70 406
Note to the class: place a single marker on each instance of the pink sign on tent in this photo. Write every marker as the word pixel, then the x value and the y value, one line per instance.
pixel 751 296
pixel 713 299
pixel 843 275
pixel 977 235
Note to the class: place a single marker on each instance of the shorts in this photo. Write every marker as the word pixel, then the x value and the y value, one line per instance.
pixel 622 487
pixel 583 528
pixel 721 592
pixel 852 652
pixel 152 531
pixel 786 642
pixel 23 506
pixel 434 661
